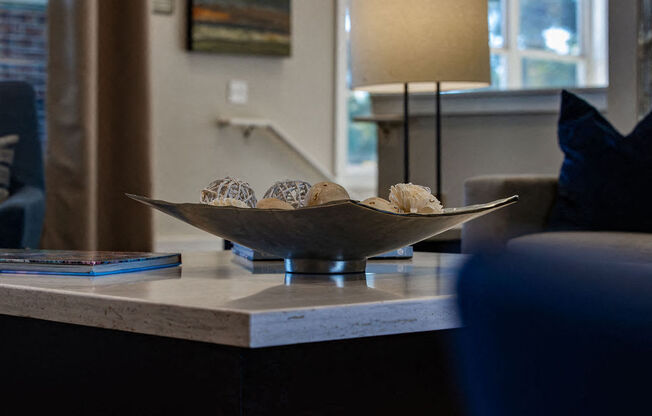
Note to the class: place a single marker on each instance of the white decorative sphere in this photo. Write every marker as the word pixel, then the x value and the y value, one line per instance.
pixel 290 191
pixel 220 191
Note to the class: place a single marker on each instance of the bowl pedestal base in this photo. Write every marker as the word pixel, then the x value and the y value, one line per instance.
pixel 321 266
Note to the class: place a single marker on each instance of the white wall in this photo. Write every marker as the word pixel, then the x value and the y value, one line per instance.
pixel 189 91
pixel 623 45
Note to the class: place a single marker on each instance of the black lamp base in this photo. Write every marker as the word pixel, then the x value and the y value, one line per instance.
pixel 406 138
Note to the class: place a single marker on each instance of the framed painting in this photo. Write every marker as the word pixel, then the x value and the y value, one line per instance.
pixel 244 27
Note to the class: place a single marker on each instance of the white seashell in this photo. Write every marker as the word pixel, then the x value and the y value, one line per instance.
pixel 414 199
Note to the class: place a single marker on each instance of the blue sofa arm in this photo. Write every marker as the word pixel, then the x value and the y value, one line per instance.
pixel 21 218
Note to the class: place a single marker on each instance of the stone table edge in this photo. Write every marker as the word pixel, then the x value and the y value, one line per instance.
pixel 270 328
pixel 231 327
pixel 220 326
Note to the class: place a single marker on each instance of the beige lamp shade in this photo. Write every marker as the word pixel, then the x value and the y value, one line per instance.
pixel 419 42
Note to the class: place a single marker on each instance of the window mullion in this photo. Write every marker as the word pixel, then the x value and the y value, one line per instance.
pixel 514 59
pixel 586 45
pixel 505 23
pixel 596 43
pixel 549 56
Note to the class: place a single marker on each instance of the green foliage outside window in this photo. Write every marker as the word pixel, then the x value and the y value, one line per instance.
pixel 362 135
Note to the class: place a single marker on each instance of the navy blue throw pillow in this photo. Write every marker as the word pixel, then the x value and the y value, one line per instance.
pixel 605 181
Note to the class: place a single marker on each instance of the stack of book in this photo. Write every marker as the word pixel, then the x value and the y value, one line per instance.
pixel 82 263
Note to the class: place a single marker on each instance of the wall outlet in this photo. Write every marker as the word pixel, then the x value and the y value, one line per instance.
pixel 238 92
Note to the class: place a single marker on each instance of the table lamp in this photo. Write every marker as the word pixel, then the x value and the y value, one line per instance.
pixel 428 45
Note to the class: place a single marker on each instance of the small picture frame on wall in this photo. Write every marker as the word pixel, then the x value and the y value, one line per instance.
pixel 240 27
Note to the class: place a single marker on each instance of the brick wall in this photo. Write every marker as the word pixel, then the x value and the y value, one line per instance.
pixel 23 48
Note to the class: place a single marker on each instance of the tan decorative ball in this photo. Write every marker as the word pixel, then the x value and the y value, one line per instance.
pixel 415 199
pixel 380 203
pixel 229 202
pixel 324 192
pixel 273 203
pixel 291 191
pixel 220 191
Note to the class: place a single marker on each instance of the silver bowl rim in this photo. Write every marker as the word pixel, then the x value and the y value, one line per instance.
pixel 447 211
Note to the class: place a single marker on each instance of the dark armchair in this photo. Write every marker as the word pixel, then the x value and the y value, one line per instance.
pixel 21 215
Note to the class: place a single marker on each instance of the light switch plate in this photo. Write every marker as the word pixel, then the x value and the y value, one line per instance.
pixel 238 91
pixel 163 6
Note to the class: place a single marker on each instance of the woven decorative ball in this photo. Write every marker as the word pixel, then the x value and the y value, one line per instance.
pixel 221 191
pixel 292 192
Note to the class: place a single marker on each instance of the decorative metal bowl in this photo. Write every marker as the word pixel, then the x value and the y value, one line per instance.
pixel 337 237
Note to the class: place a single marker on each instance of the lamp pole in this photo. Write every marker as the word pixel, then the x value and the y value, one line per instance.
pixel 438 140
pixel 406 134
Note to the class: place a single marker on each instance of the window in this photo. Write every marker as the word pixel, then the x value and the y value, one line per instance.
pixel 548 43
pixel 357 157
pixel 362 136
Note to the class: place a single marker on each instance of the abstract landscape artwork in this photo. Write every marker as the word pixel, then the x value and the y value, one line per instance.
pixel 249 27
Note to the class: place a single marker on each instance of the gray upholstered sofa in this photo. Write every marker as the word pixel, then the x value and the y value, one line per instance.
pixel 522 225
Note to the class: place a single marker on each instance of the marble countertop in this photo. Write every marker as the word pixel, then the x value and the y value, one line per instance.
pixel 223 299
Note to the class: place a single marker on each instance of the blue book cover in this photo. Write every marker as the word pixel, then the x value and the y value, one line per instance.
pixel 82 263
